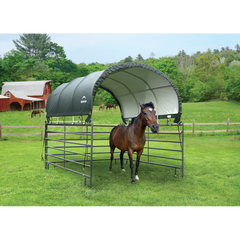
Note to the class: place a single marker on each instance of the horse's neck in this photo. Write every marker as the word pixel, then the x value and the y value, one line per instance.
pixel 138 127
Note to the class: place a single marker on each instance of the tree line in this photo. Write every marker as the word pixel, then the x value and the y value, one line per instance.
pixel 214 74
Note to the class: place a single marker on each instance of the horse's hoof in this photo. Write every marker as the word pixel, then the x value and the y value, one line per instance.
pixel 123 170
pixel 137 178
pixel 110 171
pixel 133 182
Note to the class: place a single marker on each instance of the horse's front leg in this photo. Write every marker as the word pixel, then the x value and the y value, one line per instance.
pixel 121 158
pixel 139 153
pixel 130 153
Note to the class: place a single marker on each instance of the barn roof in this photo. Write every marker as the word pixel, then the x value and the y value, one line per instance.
pixel 22 95
pixel 129 83
pixel 3 97
pixel 28 87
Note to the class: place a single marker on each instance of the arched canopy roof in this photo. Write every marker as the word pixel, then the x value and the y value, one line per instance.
pixel 129 83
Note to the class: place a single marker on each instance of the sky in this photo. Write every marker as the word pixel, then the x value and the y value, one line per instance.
pixel 110 48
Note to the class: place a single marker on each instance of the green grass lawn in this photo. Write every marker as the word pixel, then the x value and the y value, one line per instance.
pixel 211 179
pixel 211 170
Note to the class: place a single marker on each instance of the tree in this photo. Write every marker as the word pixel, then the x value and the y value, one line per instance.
pixel 152 55
pixel 11 66
pixel 128 59
pixel 83 70
pixel 182 53
pixel 208 78
pixel 215 51
pixel 206 66
pixel 229 59
pixel 140 58
pixel 38 46
pixel 237 47
pixel 209 50
pixel 64 65
pixel 168 67
pixel 233 85
pixel 185 65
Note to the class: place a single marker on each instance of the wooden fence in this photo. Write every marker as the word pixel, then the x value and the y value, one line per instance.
pixel 224 123
pixel 21 134
pixel 41 132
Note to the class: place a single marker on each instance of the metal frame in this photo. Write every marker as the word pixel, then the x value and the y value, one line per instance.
pixel 87 142
pixel 75 143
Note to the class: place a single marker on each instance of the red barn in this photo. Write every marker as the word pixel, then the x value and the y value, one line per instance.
pixel 4 103
pixel 26 95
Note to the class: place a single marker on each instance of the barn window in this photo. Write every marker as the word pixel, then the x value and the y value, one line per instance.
pixel 8 95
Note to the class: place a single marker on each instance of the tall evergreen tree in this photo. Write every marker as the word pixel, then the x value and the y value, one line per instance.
pixel 38 46
pixel 140 58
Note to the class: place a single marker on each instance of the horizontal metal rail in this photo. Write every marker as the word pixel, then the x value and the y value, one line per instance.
pixel 160 164
pixel 52 163
pixel 73 153
pixel 62 140
pixel 77 133
pixel 68 124
pixel 168 141
pixel 67 160
pixel 164 149
pixel 161 157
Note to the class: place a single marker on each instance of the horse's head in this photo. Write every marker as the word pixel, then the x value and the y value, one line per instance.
pixel 148 112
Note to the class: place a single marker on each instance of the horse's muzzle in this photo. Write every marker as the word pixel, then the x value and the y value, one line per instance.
pixel 154 128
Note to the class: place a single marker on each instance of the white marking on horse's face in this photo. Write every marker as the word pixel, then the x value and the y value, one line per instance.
pixel 150 109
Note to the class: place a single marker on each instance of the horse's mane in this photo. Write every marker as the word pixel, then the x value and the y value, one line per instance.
pixel 150 104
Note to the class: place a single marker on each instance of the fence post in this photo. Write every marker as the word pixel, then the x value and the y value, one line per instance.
pixel 41 130
pixel 227 126
pixel 0 131
pixel 193 127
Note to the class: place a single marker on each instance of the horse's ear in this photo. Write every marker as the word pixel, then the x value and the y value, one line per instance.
pixel 141 105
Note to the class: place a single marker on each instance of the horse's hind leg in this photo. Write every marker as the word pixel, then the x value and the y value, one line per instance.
pixel 121 158
pixel 112 151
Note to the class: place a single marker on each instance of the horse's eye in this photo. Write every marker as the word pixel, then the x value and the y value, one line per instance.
pixel 144 113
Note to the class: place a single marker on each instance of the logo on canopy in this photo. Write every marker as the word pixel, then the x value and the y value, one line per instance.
pixel 84 99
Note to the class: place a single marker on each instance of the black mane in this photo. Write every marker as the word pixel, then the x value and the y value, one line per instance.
pixel 150 104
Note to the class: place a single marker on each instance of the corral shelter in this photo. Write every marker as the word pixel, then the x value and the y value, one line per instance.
pixel 129 83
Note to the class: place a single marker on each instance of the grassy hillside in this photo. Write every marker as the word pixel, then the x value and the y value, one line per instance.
pixel 216 111
pixel 205 112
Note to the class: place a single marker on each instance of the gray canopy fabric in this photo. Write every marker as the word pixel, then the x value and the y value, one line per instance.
pixel 129 83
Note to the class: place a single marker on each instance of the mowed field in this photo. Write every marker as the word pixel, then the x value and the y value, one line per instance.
pixel 211 168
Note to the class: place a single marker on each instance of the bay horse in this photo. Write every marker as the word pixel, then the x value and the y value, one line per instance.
pixel 132 138
pixel 102 106
pixel 34 112
pixel 111 106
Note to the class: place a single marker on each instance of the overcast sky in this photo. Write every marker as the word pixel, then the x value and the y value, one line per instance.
pixel 113 46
